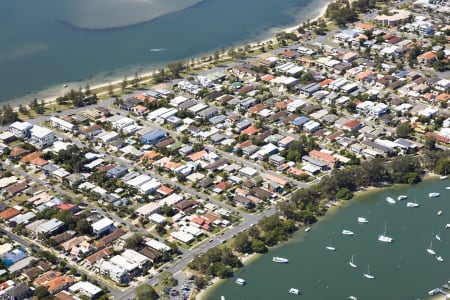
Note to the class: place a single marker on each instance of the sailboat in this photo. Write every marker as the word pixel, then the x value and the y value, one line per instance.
pixel 329 247
pixel 368 275
pixel 430 250
pixel 351 263
pixel 438 237
pixel 412 204
pixel 384 238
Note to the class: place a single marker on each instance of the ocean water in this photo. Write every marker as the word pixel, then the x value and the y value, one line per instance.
pixel 45 44
pixel 403 269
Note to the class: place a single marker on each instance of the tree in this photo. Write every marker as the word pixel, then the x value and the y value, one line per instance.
pixel 83 227
pixel 200 282
pixel 242 243
pixel 430 142
pixel 166 279
pixel 23 110
pixel 123 84
pixel 403 130
pixel 41 292
pixel 134 242
pixel 146 292
pixel 110 90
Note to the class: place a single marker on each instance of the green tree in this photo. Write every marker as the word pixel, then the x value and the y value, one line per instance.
pixel 166 279
pixel 123 84
pixel 200 282
pixel 242 243
pixel 83 227
pixel 403 130
pixel 134 242
pixel 146 292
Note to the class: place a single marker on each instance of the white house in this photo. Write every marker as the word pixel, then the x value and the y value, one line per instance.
pixel 103 226
pixel 63 124
pixel 41 136
pixel 20 129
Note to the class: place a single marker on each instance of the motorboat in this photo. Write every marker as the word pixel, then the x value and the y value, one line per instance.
pixel 439 213
pixel 390 200
pixel 438 237
pixel 280 259
pixel 307 229
pixel 352 298
pixel 433 195
pixel 412 204
pixel 447 187
pixel 294 291
pixel 347 232
pixel 351 263
pixel 402 197
pixel 447 226
pixel 368 275
pixel 362 220
pixel 439 258
pixel 430 250
pixel 434 291
pixel 241 281
pixel 443 177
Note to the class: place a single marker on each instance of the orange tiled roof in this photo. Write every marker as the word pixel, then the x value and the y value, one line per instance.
pixel 325 82
pixel 323 156
pixel 30 157
pixel 197 155
pixel 165 190
pixel 256 108
pixel 251 130
pixel 9 213
pixel 171 165
pixel 38 161
pixel 267 77
pixel 364 26
pixel 444 97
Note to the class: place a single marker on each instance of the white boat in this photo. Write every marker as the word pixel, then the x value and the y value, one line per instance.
pixel 347 232
pixel 430 250
pixel 442 177
pixel 157 49
pixel 294 291
pixel 439 212
pixel 280 259
pixel 447 226
pixel 307 229
pixel 439 258
pixel 352 298
pixel 222 297
pixel 412 204
pixel 447 187
pixel 368 275
pixel 438 237
pixel 402 197
pixel 390 200
pixel 362 220
pixel 384 238
pixel 351 263
pixel 331 248
pixel 240 281
pixel 433 195
pixel 434 291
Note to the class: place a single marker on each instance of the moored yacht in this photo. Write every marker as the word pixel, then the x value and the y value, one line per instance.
pixel 280 259
pixel 430 250
pixel 433 195
pixel 390 200
pixel 412 204
pixel 294 291
pixel 240 281
pixel 384 238
pixel 347 232
pixel 362 220
pixel 439 258
pixel 402 197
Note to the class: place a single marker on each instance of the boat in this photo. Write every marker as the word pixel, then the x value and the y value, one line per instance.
pixel 447 187
pixel 222 297
pixel 331 248
pixel 439 213
pixel 307 229
pixel 240 281
pixel 447 226
pixel 433 195
pixel 368 275
pixel 362 220
pixel 390 200
pixel 430 250
pixel 442 177
pixel 434 291
pixel 157 49
pixel 439 258
pixel 412 204
pixel 402 197
pixel 384 238
pixel 351 263
pixel 280 259
pixel 352 298
pixel 64 86
pixel 347 232
pixel 294 291
pixel 438 237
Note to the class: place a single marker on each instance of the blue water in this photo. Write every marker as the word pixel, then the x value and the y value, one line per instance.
pixel 402 269
pixel 39 49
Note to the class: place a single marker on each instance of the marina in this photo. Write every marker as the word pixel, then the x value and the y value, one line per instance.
pixel 406 258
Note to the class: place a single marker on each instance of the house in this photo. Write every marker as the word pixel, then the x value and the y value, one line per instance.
pixel 41 136
pixel 324 157
pixel 103 226
pixel 117 172
pixel 63 125
pixel 148 209
pixel 18 292
pixel 109 238
pixel 114 272
pixel 87 289
pixel 93 258
pixel 426 58
pixel 20 129
pixel 153 137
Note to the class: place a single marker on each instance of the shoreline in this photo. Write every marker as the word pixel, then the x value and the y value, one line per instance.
pixel 362 192
pixel 51 93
